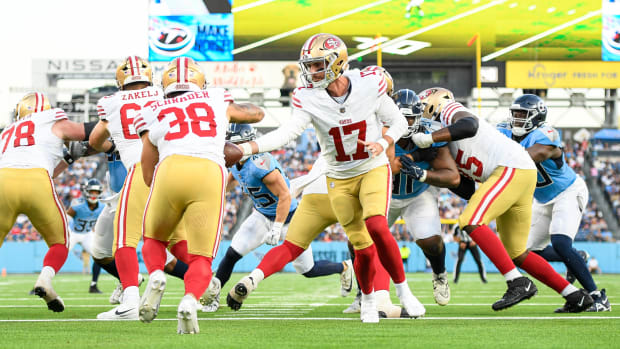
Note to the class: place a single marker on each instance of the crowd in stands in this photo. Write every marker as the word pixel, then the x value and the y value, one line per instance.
pixel 297 161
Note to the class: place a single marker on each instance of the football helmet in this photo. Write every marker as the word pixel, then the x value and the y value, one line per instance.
pixel 326 48
pixel 133 69
pixel 33 102
pixel 411 107
pixel 92 190
pixel 434 100
pixel 183 75
pixel 386 75
pixel 526 114
pixel 239 133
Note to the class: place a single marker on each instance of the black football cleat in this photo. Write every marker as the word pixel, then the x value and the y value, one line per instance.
pixel 576 302
pixel 519 290
pixel 94 289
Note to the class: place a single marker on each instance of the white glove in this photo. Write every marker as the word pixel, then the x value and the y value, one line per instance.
pixel 422 140
pixel 273 236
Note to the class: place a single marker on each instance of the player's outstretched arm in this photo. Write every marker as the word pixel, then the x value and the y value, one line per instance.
pixel 279 137
pixel 463 125
pixel 69 130
pixel 445 173
pixel 149 158
pixel 244 113
pixel 99 135
pixel 542 152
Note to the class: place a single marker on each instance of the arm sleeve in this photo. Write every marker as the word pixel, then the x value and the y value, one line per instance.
pixel 285 133
pixel 389 114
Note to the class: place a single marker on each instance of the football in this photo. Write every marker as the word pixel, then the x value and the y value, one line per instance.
pixel 232 154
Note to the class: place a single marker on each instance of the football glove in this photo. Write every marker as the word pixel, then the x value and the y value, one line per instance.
pixel 77 149
pixel 422 140
pixel 273 236
pixel 412 170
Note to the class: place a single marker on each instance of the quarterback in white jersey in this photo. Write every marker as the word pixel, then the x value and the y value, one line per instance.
pixel 348 110
pixel 508 178
pixel 31 147
pixel 183 159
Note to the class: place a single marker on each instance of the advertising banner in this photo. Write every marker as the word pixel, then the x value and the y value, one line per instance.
pixel 562 74
pixel 611 31
pixel 204 38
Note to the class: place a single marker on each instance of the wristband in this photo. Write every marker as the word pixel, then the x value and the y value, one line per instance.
pixel 423 178
pixel 383 143
pixel 246 147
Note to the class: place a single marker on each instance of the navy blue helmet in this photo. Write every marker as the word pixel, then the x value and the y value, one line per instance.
pixel 526 114
pixel 411 107
pixel 92 190
pixel 239 133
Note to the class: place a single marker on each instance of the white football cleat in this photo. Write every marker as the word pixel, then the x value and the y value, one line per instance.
pixel 211 298
pixel 368 309
pixel 240 292
pixel 122 312
pixel 346 279
pixel 149 303
pixel 186 313
pixel 441 289
pixel 412 305
pixel 354 307
pixel 43 288
pixel 115 297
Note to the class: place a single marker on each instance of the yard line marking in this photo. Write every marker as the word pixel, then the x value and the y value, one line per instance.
pixel 529 318
pixel 430 27
pixel 540 36
pixel 305 27
pixel 250 5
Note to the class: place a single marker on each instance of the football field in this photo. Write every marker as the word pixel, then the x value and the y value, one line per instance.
pixel 291 311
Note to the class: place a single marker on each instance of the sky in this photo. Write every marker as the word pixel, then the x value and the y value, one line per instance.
pixel 32 29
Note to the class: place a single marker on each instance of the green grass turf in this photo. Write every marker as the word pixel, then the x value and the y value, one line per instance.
pixel 500 26
pixel 288 310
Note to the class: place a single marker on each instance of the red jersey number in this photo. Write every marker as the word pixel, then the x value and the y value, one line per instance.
pixel 467 164
pixel 127 120
pixel 336 134
pixel 199 114
pixel 23 135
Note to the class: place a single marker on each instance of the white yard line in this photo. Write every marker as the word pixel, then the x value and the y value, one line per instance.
pixel 430 27
pixel 540 36
pixel 306 27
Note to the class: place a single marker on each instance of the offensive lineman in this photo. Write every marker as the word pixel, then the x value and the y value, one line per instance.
pixel 348 110
pixel 32 146
pixel 183 139
pixel 508 178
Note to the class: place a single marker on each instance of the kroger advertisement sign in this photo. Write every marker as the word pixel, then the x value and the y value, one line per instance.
pixel 203 38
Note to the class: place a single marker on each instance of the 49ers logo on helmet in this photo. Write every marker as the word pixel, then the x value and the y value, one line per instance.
pixel 331 43
pixel 426 93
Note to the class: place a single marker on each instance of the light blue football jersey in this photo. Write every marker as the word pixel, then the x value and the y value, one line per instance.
pixel 85 218
pixel 405 187
pixel 554 175
pixel 250 177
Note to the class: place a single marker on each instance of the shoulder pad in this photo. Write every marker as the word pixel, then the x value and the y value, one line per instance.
pixel 504 124
pixel 430 126
pixel 262 161
pixel 549 132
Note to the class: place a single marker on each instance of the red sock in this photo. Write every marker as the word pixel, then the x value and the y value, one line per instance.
pixel 539 268
pixel 278 257
pixel 198 275
pixel 492 246
pixel 179 250
pixel 387 248
pixel 382 278
pixel 127 266
pixel 56 257
pixel 154 254
pixel 364 266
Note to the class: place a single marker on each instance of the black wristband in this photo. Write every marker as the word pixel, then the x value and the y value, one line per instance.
pixel 66 156
pixel 88 128
pixel 112 149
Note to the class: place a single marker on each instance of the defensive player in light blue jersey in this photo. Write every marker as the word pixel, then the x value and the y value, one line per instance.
pixel 85 213
pixel 264 180
pixel 413 198
pixel 560 196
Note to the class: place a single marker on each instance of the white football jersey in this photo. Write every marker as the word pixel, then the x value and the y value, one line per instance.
pixel 477 157
pixel 312 183
pixel 339 126
pixel 193 124
pixel 30 143
pixel 120 110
